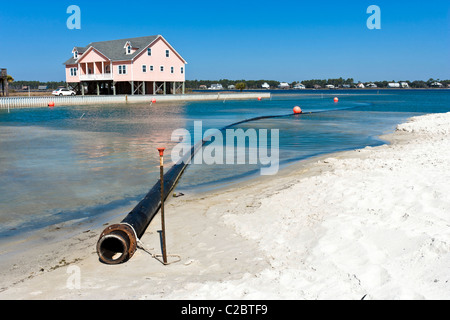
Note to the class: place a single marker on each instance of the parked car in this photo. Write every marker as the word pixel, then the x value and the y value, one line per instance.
pixel 63 92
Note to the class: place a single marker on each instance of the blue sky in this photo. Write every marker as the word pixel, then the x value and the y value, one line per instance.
pixel 284 40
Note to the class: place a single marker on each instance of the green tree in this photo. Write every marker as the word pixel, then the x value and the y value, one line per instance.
pixel 241 86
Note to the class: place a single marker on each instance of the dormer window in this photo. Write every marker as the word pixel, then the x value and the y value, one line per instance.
pixel 128 48
pixel 75 55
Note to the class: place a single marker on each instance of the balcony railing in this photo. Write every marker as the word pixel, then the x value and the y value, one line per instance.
pixel 96 77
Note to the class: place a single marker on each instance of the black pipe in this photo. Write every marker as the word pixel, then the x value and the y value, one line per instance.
pixel 118 243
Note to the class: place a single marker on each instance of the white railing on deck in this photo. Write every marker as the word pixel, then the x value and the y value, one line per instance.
pixel 96 77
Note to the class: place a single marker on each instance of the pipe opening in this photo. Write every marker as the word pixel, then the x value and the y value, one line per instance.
pixel 112 249
pixel 117 244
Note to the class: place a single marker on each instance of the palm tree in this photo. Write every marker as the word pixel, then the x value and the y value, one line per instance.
pixel 240 86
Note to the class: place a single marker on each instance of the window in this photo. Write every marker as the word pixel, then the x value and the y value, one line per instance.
pixel 151 68
pixel 129 50
pixel 73 72
pixel 162 68
pixel 123 69
pixel 167 53
pixel 182 70
pixel 144 68
pixel 171 69
pixel 149 51
pixel 75 54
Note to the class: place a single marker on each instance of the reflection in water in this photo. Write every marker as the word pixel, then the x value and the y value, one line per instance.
pixel 58 166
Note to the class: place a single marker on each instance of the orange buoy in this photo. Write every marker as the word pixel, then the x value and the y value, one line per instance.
pixel 298 110
pixel 336 99
pixel 51 104
pixel 259 98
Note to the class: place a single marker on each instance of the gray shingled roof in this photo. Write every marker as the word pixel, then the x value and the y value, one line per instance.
pixel 82 49
pixel 114 49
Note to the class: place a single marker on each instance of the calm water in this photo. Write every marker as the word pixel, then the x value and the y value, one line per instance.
pixel 75 162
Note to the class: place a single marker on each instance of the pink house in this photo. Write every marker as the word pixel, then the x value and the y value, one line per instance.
pixel 145 65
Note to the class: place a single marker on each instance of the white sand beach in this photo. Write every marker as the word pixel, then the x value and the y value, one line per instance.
pixel 371 223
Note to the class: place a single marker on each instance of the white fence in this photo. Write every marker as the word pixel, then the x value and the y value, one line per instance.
pixel 35 102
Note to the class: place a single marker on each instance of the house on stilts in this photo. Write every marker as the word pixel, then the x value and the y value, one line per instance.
pixel 144 65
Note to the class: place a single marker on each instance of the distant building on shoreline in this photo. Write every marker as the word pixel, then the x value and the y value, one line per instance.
pixel 403 85
pixel 216 86
pixel 436 85
pixel 145 65
pixel 284 85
